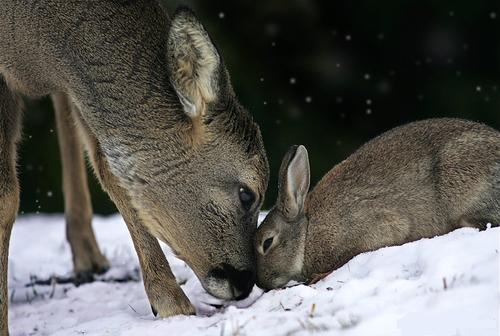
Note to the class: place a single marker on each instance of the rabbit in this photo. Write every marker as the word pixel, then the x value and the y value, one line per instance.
pixel 415 181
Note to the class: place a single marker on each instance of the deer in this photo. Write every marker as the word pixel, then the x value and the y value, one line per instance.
pixel 149 99
pixel 415 181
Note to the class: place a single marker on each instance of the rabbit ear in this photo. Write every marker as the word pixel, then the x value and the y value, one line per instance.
pixel 294 182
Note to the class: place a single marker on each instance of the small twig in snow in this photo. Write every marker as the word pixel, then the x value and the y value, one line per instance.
pixel 214 324
pixel 12 296
pixel 135 311
pixel 283 307
pixel 53 289
pixel 302 324
pixel 76 281
pixel 313 310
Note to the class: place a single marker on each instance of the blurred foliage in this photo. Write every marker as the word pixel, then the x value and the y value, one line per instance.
pixel 326 74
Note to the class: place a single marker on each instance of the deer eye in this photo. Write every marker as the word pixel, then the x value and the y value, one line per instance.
pixel 247 198
pixel 267 244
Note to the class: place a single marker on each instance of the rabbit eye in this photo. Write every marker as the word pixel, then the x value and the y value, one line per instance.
pixel 267 244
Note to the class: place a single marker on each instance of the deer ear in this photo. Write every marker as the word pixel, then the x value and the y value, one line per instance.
pixel 194 63
pixel 294 182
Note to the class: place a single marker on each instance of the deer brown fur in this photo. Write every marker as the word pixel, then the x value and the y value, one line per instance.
pixel 150 100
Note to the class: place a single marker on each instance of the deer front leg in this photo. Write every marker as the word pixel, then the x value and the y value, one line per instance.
pixel 165 295
pixel 87 257
pixel 9 188
pixel 9 202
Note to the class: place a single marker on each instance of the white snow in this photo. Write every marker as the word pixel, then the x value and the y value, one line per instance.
pixel 447 285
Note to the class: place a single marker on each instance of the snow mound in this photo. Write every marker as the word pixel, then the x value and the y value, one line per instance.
pixel 446 285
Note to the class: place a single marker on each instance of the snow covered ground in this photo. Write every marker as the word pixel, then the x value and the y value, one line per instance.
pixel 443 286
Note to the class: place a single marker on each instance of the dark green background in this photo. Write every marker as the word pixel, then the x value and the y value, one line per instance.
pixel 410 59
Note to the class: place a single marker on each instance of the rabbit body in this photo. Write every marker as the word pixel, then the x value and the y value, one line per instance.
pixel 419 180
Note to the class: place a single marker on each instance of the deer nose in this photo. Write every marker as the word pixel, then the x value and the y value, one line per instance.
pixel 241 281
